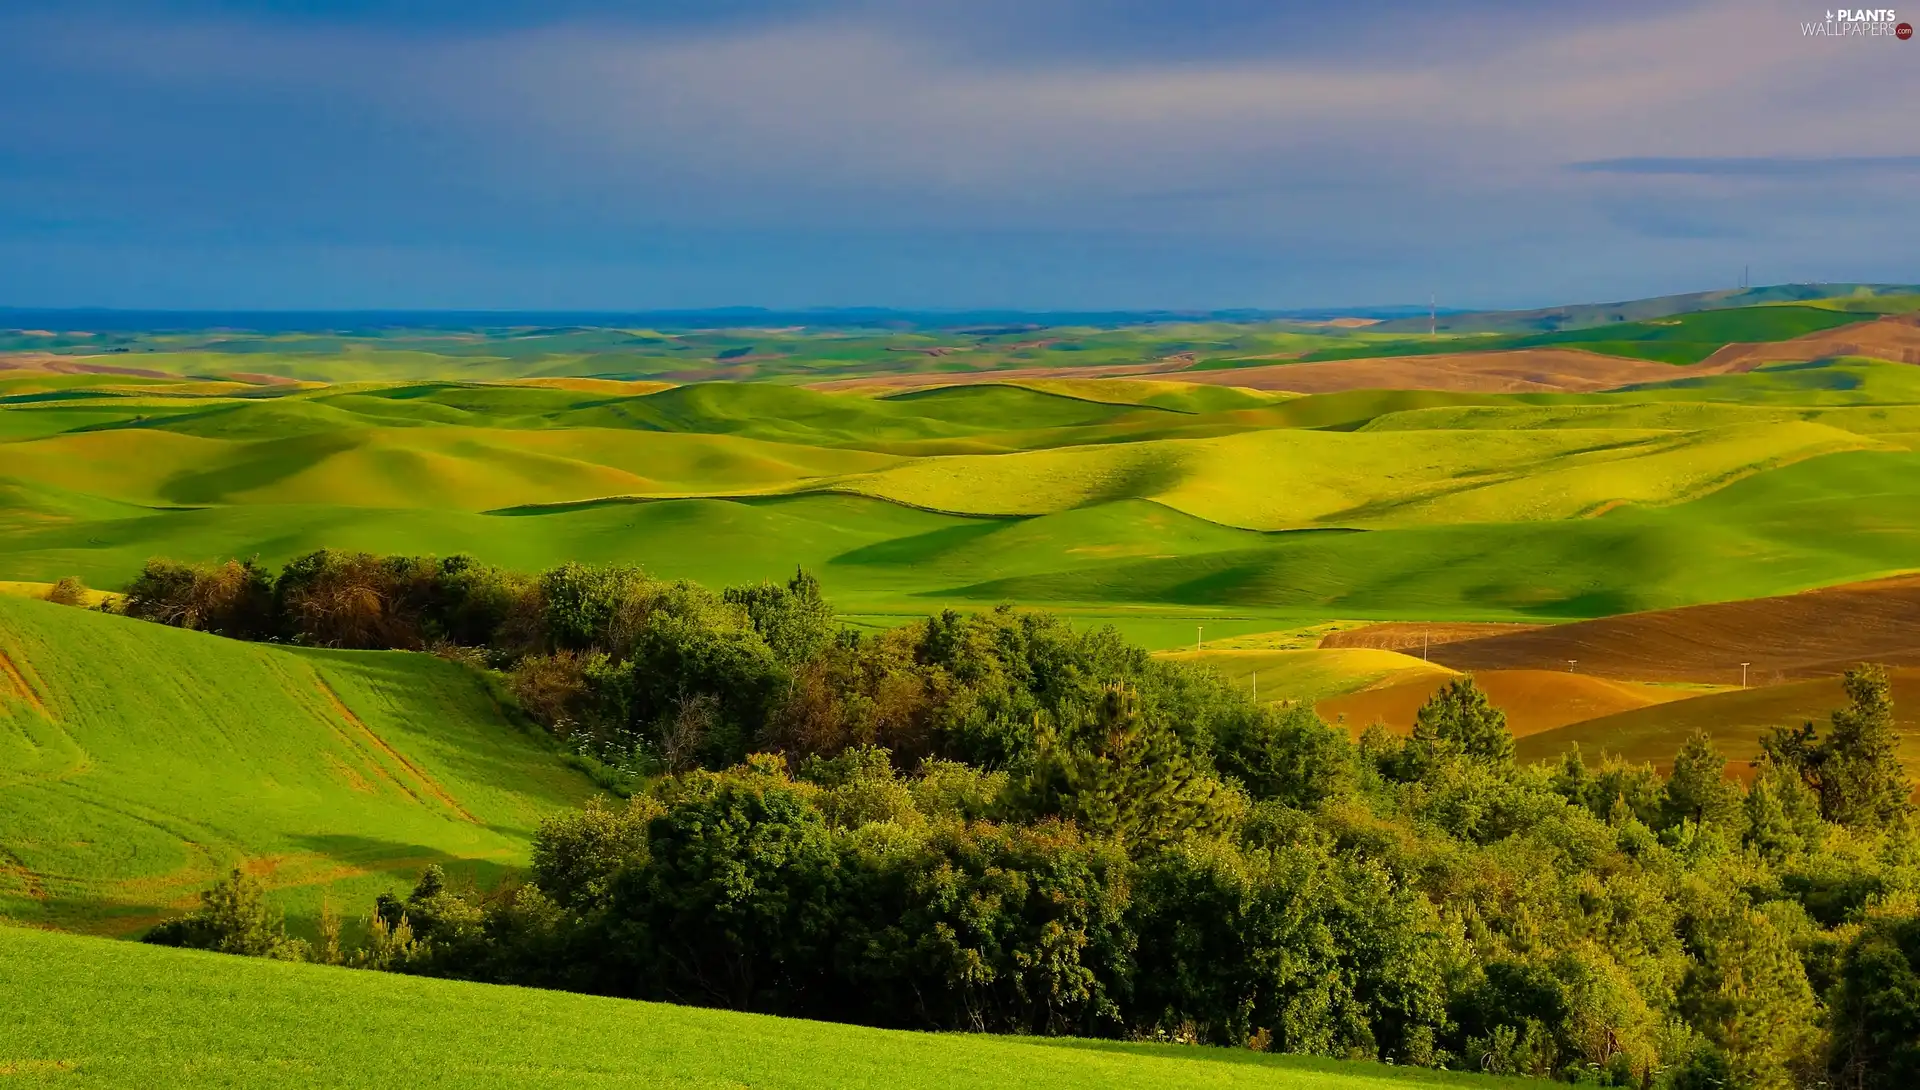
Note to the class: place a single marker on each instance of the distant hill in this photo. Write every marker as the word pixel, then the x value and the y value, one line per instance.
pixel 363 322
pixel 1584 315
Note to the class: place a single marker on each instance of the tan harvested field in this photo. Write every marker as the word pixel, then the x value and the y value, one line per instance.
pixel 1894 338
pixel 1531 370
pixel 1817 633
pixel 1418 635
pixel 1735 719
pixel 1534 701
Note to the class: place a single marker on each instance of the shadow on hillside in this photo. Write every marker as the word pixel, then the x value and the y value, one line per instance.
pixel 402 863
pixel 1287 1061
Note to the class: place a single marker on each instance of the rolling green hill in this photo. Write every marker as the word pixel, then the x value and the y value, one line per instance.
pixel 1826 520
pixel 1154 504
pixel 92 1013
pixel 139 762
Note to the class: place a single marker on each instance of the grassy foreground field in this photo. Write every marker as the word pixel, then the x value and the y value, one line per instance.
pixel 82 1012
pixel 139 762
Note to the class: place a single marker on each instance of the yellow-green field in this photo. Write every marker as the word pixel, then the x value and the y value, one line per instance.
pixel 1155 504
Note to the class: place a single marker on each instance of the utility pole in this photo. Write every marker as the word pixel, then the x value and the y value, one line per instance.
pixel 1197 633
pixel 1426 635
pixel 1433 315
pixel 1256 686
pixel 1743 674
pixel 1570 663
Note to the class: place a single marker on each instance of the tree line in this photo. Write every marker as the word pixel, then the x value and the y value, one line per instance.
pixel 998 822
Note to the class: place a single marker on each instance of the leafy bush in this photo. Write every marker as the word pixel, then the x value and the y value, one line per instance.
pixel 233 918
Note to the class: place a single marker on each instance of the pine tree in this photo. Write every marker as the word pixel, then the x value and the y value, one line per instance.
pixel 233 918
pixel 1748 995
pixel 1122 776
pixel 1865 782
pixel 1698 790
pixel 1855 770
pixel 1458 722
pixel 1783 816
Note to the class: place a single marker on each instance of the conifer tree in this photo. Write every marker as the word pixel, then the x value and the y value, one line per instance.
pixel 1698 790
pixel 1122 776
pixel 1458 722
pixel 1855 770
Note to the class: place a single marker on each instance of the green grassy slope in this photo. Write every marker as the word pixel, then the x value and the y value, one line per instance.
pixel 139 762
pixel 1828 520
pixel 1294 478
pixel 91 1013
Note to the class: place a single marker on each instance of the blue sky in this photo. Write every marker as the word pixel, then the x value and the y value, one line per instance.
pixel 946 153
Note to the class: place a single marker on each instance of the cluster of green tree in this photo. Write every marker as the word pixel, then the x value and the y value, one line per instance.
pixel 994 822
pixel 669 676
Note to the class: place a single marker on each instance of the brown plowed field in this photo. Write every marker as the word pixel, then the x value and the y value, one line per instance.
pixel 1534 700
pixel 1896 338
pixel 1817 633
pixel 1530 370
pixel 1736 719
pixel 1416 635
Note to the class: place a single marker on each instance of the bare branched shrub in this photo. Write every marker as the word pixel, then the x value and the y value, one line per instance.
pixel 69 591
pixel 549 688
